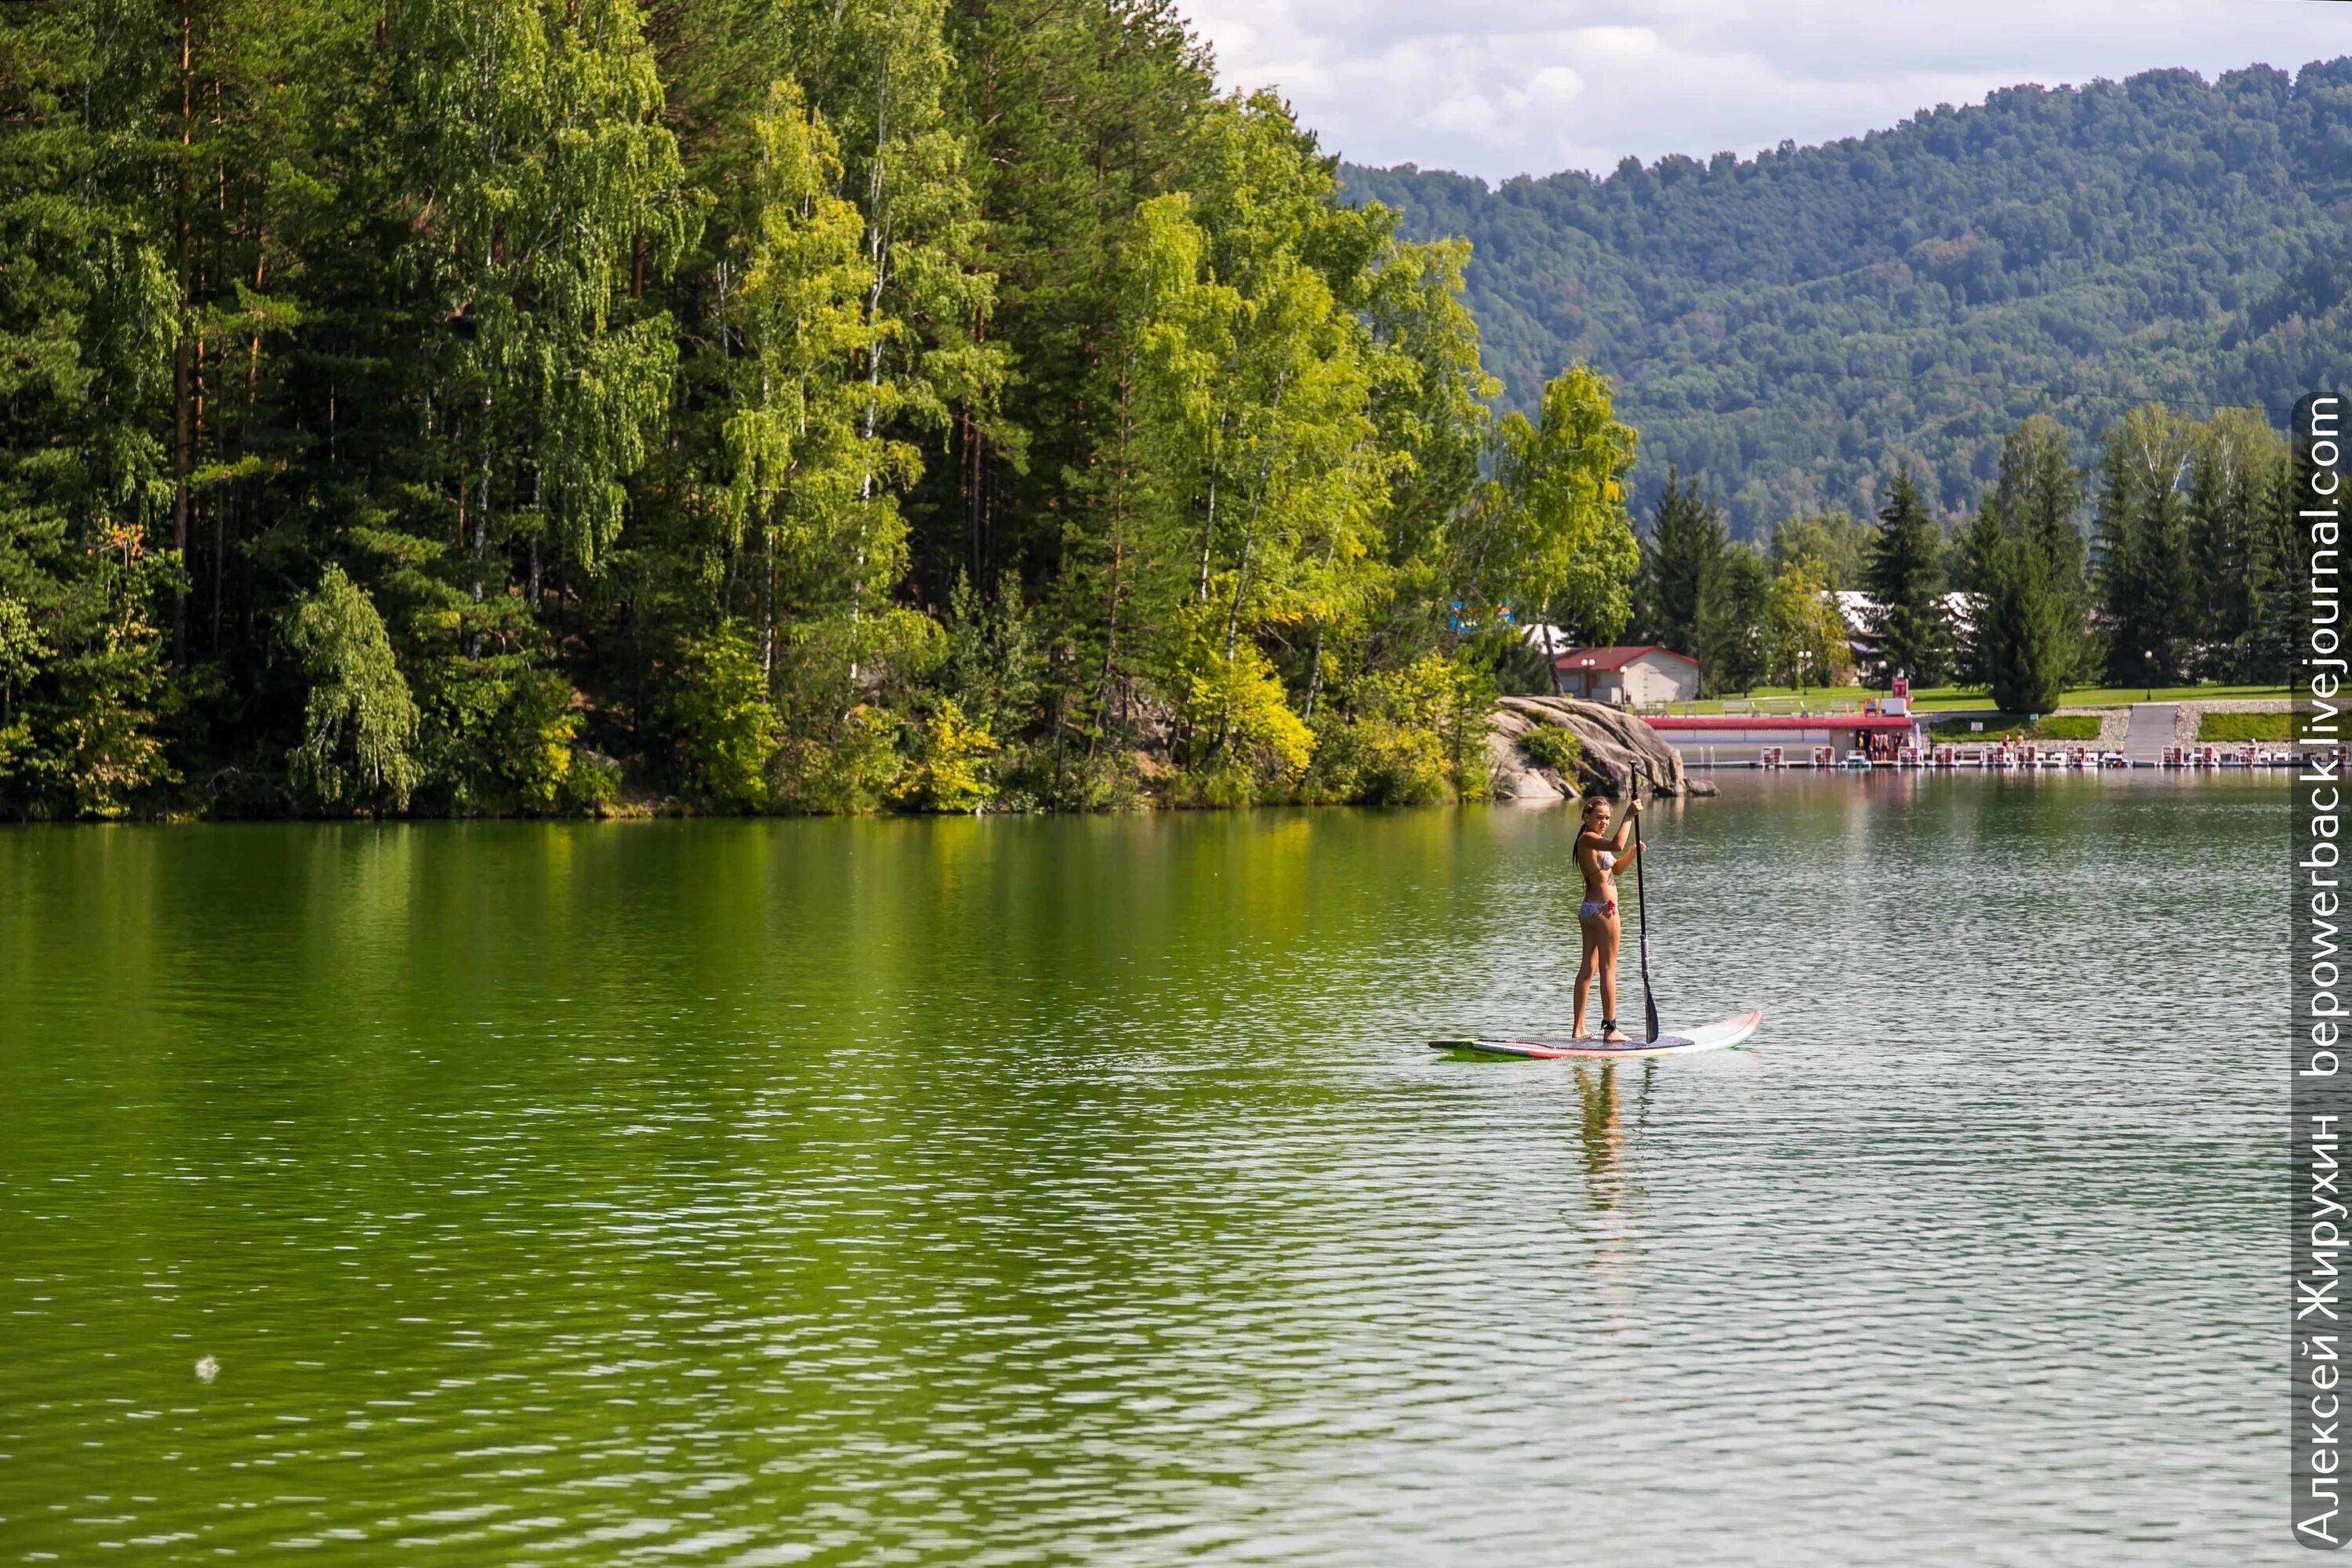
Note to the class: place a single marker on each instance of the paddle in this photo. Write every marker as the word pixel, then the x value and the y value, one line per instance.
pixel 1642 889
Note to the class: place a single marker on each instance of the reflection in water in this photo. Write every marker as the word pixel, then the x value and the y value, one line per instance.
pixel 1082 1192
pixel 1601 1124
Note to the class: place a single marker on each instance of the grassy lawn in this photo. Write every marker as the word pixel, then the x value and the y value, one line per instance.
pixel 2121 696
pixel 1943 699
pixel 2230 729
pixel 2013 727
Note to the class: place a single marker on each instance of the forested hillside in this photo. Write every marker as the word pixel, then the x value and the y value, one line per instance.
pixel 1786 326
pixel 542 406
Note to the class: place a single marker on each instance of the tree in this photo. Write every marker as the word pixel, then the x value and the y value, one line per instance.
pixel 2028 642
pixel 1734 619
pixel 798 439
pixel 990 672
pixel 1905 581
pixel 1805 636
pixel 2281 566
pixel 2145 577
pixel 2033 502
pixel 359 723
pixel 2234 462
pixel 1257 378
pixel 1548 535
pixel 719 712
pixel 1833 541
pixel 545 196
pixel 1687 542
pixel 90 326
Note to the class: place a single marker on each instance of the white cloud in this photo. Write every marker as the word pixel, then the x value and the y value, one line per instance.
pixel 1505 87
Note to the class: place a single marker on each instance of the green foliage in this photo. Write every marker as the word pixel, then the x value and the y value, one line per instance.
pixel 1550 532
pixel 2011 727
pixel 2237 729
pixel 1684 545
pixel 20 652
pixel 2028 644
pixel 1904 580
pixel 1786 323
pixel 849 766
pixel 547 190
pixel 1837 547
pixel 359 723
pixel 2145 575
pixel 1413 737
pixel 729 394
pixel 991 665
pixel 1242 719
pixel 2022 562
pixel 1735 621
pixel 1805 637
pixel 1551 747
pixel 2237 472
pixel 720 716
pixel 498 739
pixel 947 770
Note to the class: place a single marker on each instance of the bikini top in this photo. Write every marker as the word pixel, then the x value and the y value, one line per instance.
pixel 1608 859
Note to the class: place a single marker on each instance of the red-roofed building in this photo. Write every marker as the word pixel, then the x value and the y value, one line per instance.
pixel 1638 676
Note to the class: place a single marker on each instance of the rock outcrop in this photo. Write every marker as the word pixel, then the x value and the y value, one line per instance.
pixel 1615 743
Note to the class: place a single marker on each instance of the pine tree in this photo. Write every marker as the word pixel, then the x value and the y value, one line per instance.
pixel 1685 542
pixel 2145 578
pixel 2027 642
pixel 2032 505
pixel 2281 590
pixel 1905 582
pixel 2233 460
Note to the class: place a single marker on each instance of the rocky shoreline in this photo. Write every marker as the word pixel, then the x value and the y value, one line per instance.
pixel 1612 746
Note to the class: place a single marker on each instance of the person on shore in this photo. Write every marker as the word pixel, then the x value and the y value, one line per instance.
pixel 1600 856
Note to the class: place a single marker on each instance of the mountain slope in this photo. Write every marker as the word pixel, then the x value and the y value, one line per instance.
pixel 1787 325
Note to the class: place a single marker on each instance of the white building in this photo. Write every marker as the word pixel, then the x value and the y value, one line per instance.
pixel 1857 609
pixel 1637 676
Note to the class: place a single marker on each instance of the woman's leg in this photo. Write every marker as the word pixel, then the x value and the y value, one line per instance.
pixel 1608 954
pixel 1584 972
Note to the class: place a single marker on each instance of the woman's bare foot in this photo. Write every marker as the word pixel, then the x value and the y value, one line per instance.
pixel 1613 1036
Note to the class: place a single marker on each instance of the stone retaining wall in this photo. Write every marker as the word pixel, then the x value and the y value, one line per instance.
pixel 2187 716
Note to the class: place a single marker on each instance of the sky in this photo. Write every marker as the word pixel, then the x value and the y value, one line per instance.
pixel 1497 88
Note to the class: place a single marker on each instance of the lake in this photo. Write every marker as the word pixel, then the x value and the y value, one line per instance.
pixel 1083 1190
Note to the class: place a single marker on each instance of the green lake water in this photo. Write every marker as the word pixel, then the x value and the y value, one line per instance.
pixel 1082 1191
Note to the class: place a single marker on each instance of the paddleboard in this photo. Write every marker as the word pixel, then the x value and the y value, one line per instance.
pixel 1712 1038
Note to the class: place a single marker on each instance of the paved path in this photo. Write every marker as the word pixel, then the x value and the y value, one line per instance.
pixel 2150 732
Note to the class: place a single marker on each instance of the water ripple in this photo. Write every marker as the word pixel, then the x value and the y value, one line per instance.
pixel 1082 1192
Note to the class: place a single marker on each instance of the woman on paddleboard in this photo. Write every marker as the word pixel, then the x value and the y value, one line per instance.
pixel 1600 856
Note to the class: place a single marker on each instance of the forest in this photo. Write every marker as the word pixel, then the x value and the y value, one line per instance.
pixel 1790 321
pixel 486 406
pixel 580 406
pixel 2193 568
